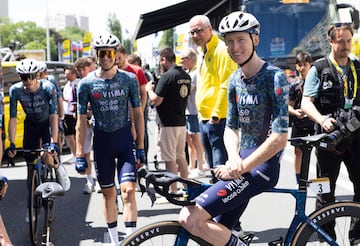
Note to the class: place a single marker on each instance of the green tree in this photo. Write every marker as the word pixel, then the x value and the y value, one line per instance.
pixel 167 39
pixel 115 26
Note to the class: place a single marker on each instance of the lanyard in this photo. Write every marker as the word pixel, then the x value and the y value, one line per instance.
pixel 344 77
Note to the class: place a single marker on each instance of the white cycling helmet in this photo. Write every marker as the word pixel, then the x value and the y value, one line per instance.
pixel 42 66
pixel 106 41
pixel 27 66
pixel 239 22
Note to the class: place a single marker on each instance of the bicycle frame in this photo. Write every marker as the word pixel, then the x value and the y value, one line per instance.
pixel 194 188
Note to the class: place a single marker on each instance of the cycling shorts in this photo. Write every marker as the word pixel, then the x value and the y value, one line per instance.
pixel 33 133
pixel 226 200
pixel 114 150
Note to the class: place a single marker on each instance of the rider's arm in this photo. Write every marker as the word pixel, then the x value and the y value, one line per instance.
pixel 139 125
pixel 272 145
pixel 81 125
pixel 54 125
pixel 143 96
pixel 231 140
pixel 12 129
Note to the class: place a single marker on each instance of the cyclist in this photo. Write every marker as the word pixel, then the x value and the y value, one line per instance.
pixel 39 101
pixel 43 74
pixel 110 92
pixel 257 96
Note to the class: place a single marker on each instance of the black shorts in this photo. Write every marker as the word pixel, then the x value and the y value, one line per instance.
pixel 69 125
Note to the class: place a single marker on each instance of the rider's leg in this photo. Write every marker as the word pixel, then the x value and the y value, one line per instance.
pixel 110 213
pixel 130 207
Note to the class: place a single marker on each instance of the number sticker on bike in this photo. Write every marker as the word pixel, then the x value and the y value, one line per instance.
pixel 320 185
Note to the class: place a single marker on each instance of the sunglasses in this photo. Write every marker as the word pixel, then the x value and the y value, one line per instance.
pixel 108 53
pixel 341 24
pixel 25 77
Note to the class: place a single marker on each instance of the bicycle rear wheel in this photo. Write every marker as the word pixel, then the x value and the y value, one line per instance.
pixel 342 212
pixel 34 208
pixel 161 233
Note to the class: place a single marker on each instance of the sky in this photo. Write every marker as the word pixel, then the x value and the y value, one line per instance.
pixel 127 12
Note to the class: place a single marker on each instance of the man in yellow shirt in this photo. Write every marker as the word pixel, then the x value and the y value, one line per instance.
pixel 214 68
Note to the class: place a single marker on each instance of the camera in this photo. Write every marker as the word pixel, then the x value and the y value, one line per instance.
pixel 343 131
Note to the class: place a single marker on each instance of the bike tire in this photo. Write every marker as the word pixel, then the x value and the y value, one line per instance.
pixel 45 236
pixel 160 233
pixel 34 208
pixel 341 212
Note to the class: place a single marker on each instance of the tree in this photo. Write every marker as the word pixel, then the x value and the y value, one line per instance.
pixel 115 26
pixel 167 39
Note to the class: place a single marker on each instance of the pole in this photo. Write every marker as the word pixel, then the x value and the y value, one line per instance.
pixel 48 58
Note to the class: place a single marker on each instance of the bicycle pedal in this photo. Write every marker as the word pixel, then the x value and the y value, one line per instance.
pixel 277 242
pixel 247 238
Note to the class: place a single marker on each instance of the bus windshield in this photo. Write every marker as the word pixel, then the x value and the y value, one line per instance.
pixel 285 28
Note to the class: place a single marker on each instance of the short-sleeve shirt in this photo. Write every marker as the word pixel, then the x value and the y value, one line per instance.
pixel 191 105
pixel 109 99
pixel 174 87
pixel 258 105
pixel 138 72
pixel 37 105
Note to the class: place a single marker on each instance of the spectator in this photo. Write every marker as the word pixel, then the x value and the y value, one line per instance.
pixel 214 68
pixel 122 63
pixel 134 59
pixel 109 91
pixel 195 148
pixel 170 99
pixel 329 98
pixel 69 95
pixel 149 76
pixel 301 124
pixel 84 66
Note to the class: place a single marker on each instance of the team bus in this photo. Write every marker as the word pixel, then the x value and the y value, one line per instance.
pixel 288 26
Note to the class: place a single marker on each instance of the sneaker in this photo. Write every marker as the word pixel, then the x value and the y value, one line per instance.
pixel 238 231
pixel 70 160
pixel 161 200
pixel 63 178
pixel 196 173
pixel 89 188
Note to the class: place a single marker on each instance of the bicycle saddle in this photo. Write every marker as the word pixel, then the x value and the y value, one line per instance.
pixel 49 189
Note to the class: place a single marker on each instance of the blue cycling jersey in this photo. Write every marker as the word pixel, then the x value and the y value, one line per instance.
pixel 258 105
pixel 109 99
pixel 37 105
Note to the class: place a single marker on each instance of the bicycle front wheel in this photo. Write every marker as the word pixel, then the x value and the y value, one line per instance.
pixel 343 213
pixel 161 233
pixel 34 207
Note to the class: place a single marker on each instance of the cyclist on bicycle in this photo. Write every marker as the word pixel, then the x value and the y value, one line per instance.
pixel 111 92
pixel 39 101
pixel 258 97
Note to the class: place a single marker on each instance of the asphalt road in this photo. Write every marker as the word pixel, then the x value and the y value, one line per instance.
pixel 79 218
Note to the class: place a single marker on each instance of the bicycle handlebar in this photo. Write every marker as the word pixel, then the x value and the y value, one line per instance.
pixel 161 182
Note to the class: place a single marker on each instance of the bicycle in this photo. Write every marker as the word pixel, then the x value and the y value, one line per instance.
pixel 303 230
pixel 44 187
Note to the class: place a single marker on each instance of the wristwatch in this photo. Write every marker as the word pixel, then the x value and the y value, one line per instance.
pixel 215 118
